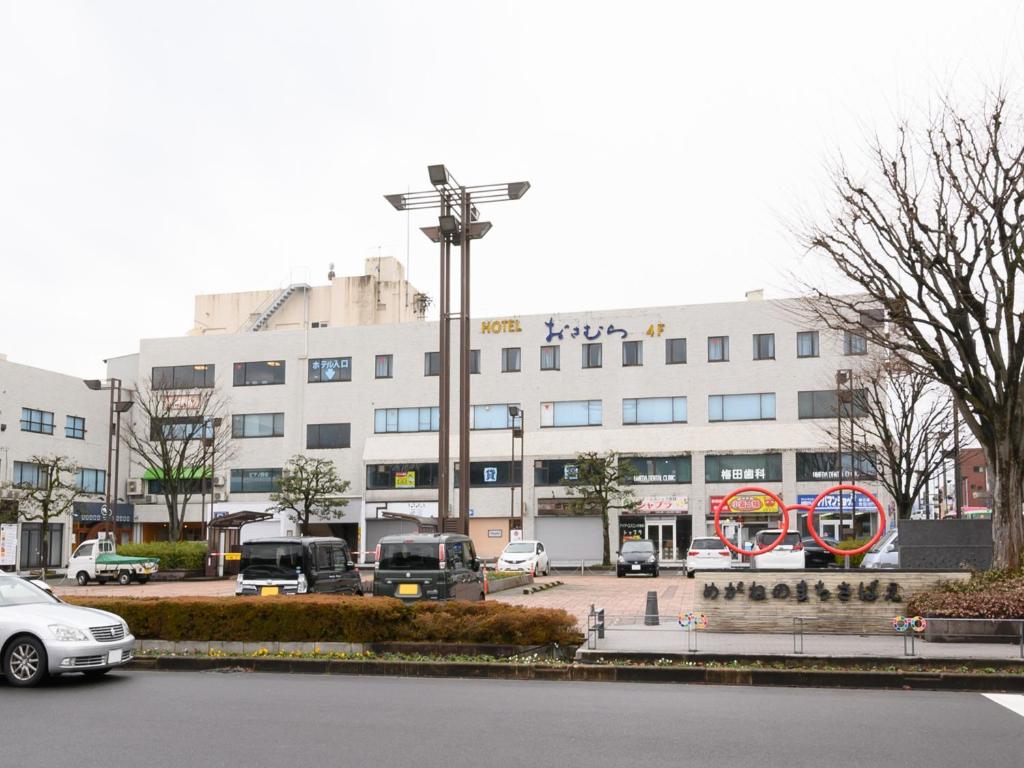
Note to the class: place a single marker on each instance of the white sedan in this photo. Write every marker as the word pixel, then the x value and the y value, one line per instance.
pixel 41 636
pixel 526 556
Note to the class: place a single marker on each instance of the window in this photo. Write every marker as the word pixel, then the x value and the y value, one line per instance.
pixel 807 344
pixel 31 548
pixel 91 480
pixel 854 344
pixel 255 480
pixel 823 404
pixel 718 349
pixel 654 410
pixel 180 428
pixel 571 413
pixel 337 435
pixel 726 469
pixel 764 346
pixel 510 359
pixel 492 474
pixel 401 476
pixel 383 366
pixel 592 355
pixel 491 416
pixel 675 351
pixel 198 376
pixel 474 361
pixel 632 353
pixel 550 358
pixel 259 373
pixel 318 324
pixel 28 474
pixel 328 369
pixel 555 471
pixel 427 419
pixel 75 428
pixel 257 425
pixel 657 469
pixel 431 363
pixel 36 421
pixel 752 407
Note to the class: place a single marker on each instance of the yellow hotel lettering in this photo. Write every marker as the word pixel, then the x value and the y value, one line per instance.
pixel 500 326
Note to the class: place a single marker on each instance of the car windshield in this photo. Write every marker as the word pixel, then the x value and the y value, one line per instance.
pixel 280 558
pixel 18 592
pixel 882 543
pixel 764 538
pixel 520 547
pixel 409 556
pixel 638 546
pixel 707 544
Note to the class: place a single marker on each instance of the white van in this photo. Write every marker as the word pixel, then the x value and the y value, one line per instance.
pixel 788 555
pixel 885 553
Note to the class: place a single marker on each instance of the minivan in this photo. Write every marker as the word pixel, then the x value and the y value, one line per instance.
pixel 296 565
pixel 885 553
pixel 427 566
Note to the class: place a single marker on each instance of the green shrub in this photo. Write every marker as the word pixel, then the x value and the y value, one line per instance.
pixel 324 618
pixel 989 595
pixel 855 560
pixel 178 555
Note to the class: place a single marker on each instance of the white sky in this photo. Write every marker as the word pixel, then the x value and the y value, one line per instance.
pixel 150 151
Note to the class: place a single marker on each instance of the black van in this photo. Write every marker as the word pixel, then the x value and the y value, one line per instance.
pixel 434 566
pixel 292 565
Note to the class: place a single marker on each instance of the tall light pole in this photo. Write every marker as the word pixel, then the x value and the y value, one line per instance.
pixel 458 223
pixel 117 407
pixel 515 412
pixel 210 441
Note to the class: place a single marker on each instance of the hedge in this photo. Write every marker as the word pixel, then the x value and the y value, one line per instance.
pixel 991 595
pixel 324 618
pixel 178 555
pixel 851 543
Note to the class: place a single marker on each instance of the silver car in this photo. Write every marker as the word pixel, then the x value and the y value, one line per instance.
pixel 41 636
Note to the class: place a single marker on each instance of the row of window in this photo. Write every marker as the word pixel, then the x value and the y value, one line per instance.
pixel 41 422
pixel 28 474
pixel 336 369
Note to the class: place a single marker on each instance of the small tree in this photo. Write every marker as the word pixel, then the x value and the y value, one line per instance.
pixel 52 496
pixel 173 432
pixel 600 486
pixel 310 486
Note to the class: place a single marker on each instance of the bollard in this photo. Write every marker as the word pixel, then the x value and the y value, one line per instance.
pixel 651 615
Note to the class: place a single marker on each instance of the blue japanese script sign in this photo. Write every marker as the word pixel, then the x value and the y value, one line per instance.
pixel 575 330
pixel 831 502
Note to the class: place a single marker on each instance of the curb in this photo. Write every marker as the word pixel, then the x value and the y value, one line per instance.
pixel 586 656
pixel 801 678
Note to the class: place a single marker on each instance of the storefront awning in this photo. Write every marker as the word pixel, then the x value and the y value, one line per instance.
pixel 189 473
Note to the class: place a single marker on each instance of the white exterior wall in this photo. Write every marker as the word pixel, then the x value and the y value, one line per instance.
pixel 354 402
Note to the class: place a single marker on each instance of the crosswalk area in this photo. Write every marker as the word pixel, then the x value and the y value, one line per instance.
pixel 1012 701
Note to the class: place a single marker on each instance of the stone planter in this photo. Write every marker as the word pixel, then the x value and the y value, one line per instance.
pixel 176 575
pixel 972 631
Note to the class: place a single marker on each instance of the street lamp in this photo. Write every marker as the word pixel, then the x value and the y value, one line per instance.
pixel 515 412
pixel 458 223
pixel 117 407
pixel 210 441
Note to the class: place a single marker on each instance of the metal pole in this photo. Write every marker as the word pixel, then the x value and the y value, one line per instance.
pixel 512 479
pixel 117 454
pixel 522 473
pixel 444 386
pixel 110 455
pixel 956 460
pixel 839 448
pixel 853 460
pixel 464 369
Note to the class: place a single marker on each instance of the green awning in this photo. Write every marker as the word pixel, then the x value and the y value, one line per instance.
pixel 189 473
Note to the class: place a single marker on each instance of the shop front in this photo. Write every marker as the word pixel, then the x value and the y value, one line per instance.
pixel 90 518
pixel 665 520
pixel 745 517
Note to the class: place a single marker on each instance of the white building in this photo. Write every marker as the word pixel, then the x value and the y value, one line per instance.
pixel 703 398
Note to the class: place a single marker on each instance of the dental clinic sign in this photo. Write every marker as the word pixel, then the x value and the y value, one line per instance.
pixel 831 503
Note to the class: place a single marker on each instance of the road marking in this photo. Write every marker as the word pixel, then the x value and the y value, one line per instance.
pixel 1013 702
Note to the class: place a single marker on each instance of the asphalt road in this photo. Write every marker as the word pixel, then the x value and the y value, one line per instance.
pixel 174 719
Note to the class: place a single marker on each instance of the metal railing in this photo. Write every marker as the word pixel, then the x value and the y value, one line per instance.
pixel 598 625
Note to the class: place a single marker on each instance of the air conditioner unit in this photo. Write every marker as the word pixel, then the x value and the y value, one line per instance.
pixel 150 498
pixel 218 481
pixel 220 496
pixel 134 486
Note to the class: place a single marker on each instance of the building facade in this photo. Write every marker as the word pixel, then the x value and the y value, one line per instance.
pixel 701 399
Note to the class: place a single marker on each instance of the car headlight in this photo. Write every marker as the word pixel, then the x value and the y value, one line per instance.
pixel 652 559
pixel 64 633
pixel 303 584
pixel 126 630
pixel 622 559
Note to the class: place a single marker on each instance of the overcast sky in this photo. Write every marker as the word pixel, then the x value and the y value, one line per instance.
pixel 150 151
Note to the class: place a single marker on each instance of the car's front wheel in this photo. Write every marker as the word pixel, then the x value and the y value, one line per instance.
pixel 25 662
pixel 82 578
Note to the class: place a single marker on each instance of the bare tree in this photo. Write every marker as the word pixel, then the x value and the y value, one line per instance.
pixel 310 486
pixel 600 484
pixel 934 241
pixel 173 432
pixel 53 495
pixel 903 425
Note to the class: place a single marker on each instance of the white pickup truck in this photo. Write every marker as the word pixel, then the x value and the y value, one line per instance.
pixel 96 560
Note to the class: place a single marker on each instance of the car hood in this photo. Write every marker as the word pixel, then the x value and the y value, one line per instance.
pixel 62 613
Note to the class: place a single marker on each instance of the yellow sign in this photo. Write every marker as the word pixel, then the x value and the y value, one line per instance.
pixel 500 326
pixel 232 555
pixel 752 504
pixel 405 479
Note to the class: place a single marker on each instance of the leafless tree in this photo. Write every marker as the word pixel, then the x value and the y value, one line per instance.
pixel 51 496
pixel 173 433
pixel 308 487
pixel 933 240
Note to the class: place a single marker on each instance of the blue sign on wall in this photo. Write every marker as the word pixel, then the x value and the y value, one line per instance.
pixel 831 502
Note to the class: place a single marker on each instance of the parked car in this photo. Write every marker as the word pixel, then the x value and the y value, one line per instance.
pixel 97 560
pixel 42 636
pixel 427 566
pixel 295 565
pixel 788 555
pixel 885 553
pixel 637 557
pixel 815 555
pixel 707 553
pixel 526 556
